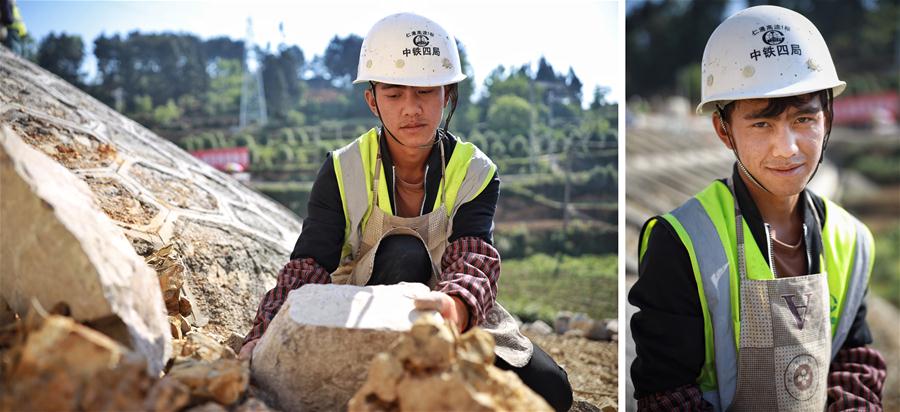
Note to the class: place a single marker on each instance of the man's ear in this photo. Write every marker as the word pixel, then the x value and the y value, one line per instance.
pixel 719 127
pixel 370 101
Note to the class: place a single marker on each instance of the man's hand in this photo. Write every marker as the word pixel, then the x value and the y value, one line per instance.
pixel 247 350
pixel 450 307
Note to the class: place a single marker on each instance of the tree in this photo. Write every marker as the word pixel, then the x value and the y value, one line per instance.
pixel 545 71
pixel 510 115
pixel 661 37
pixel 62 55
pixel 574 85
pixel 342 59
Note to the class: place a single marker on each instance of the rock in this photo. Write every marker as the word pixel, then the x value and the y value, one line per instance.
pixel 253 405
pixel 583 406
pixel 600 330
pixel 612 325
pixel 231 240
pixel 234 341
pixel 561 323
pixel 582 322
pixel 167 395
pixel 222 381
pixel 208 407
pixel 432 367
pixel 50 221
pixel 537 328
pixel 198 346
pixel 574 333
pixel 323 339
pixel 83 370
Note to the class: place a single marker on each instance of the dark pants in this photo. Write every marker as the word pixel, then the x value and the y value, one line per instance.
pixel 403 258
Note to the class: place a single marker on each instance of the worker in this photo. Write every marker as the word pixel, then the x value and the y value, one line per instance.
pixel 12 27
pixel 750 294
pixel 410 202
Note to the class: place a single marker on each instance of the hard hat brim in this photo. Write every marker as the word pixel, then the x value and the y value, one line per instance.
pixel 425 82
pixel 795 89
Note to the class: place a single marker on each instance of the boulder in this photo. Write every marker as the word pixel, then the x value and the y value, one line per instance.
pixel 59 248
pixel 315 352
pixel 231 240
pixel 433 368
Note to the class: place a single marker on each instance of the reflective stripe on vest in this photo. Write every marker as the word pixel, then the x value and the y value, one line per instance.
pixel 705 225
pixel 468 172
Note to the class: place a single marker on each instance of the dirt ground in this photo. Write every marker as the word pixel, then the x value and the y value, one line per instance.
pixel 592 366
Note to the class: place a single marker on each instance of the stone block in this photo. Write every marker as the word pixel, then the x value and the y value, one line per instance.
pixel 315 354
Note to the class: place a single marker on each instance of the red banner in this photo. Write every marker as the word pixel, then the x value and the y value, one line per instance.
pixel 225 159
pixel 866 109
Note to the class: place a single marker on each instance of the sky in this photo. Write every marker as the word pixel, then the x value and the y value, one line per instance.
pixel 580 34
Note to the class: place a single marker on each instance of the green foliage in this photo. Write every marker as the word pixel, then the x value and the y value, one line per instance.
pixel 518 147
pixel 224 95
pixel 886 270
pixel 143 103
pixel 539 286
pixel 511 114
pixel 166 114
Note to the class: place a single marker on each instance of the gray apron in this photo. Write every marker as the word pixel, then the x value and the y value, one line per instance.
pixel 785 338
pixel 433 230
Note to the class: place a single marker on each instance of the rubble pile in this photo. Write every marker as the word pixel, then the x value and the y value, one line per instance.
pixel 434 368
pixel 84 369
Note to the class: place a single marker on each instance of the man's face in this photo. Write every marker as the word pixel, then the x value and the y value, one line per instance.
pixel 412 114
pixel 780 151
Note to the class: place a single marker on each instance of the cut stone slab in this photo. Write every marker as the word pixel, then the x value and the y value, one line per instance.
pixel 316 352
pixel 56 246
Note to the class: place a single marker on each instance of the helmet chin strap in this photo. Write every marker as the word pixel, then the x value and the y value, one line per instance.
pixel 829 116
pixel 743 168
pixel 439 135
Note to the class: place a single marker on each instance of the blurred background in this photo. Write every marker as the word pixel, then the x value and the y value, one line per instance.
pixel 672 153
pixel 262 90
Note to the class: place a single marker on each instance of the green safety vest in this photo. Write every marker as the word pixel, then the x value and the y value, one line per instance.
pixel 467 173
pixel 705 225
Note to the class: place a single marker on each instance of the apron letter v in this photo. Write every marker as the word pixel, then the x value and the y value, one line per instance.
pixel 789 299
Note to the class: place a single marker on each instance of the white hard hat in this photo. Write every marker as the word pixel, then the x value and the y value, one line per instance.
pixel 410 50
pixel 765 52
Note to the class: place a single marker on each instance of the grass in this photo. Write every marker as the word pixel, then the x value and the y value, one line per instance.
pixel 539 286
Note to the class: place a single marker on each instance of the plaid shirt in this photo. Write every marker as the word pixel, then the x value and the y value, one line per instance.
pixel 855 382
pixel 470 269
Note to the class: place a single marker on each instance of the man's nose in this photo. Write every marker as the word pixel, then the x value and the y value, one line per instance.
pixel 412 104
pixel 785 142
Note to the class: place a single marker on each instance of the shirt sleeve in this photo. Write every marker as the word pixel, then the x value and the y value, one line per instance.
pixel 684 398
pixel 856 376
pixel 470 269
pixel 668 328
pixel 293 275
pixel 322 236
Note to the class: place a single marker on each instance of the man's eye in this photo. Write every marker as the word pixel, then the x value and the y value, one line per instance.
pixel 392 96
pixel 806 119
pixel 760 124
pixel 425 91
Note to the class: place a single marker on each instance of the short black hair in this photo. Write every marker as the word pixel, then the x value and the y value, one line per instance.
pixel 776 106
